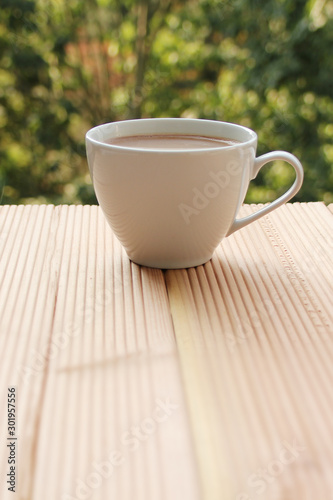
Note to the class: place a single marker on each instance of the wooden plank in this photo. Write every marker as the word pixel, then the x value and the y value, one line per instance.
pixel 330 207
pixel 254 332
pixel 89 343
pixel 27 302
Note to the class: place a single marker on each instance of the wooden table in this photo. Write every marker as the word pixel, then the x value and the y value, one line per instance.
pixel 211 383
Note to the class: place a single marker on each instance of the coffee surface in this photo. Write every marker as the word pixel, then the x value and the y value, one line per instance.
pixel 170 141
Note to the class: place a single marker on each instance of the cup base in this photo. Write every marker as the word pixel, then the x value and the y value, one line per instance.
pixel 173 264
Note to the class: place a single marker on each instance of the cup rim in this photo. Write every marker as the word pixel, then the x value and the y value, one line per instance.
pixel 145 122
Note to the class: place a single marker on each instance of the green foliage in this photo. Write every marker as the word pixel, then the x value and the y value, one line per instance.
pixel 68 65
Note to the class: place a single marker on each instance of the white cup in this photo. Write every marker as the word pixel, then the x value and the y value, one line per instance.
pixel 171 208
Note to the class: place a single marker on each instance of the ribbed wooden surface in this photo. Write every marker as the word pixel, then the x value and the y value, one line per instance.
pixel 208 383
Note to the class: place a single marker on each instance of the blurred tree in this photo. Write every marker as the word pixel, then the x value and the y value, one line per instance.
pixel 266 66
pixel 40 146
pixel 69 65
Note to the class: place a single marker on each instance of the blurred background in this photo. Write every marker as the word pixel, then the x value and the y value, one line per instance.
pixel 67 65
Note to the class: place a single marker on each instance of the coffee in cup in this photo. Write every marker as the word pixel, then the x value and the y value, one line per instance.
pixel 170 141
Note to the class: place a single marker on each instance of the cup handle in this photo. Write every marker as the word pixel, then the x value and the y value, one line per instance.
pixel 260 162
